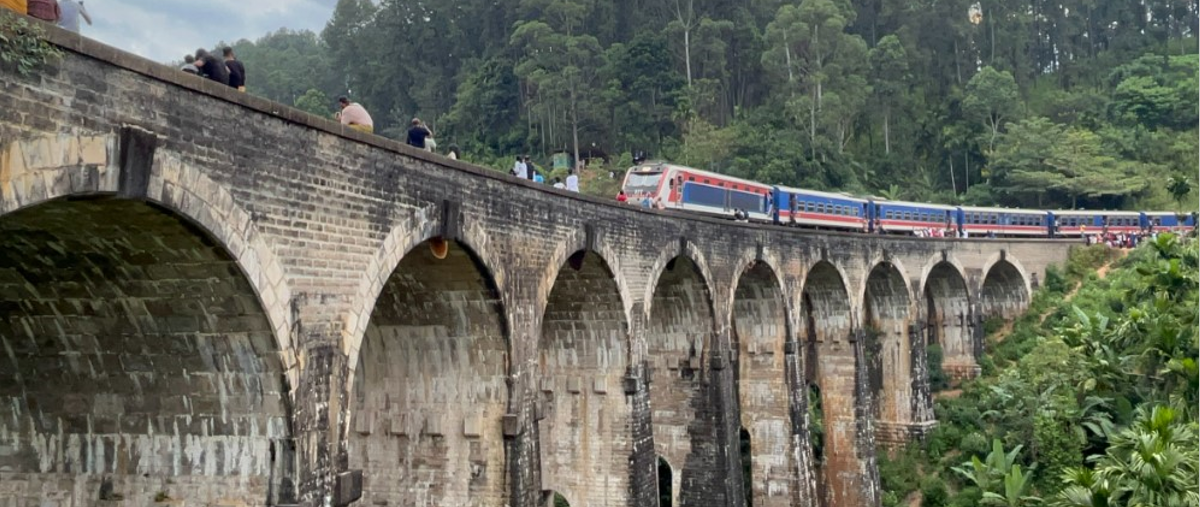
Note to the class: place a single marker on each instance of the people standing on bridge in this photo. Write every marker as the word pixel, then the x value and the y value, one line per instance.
pixel 72 10
pixel 559 184
pixel 572 181
pixel 212 67
pixel 454 152
pixel 622 198
pixel 189 65
pixel 418 134
pixel 520 169
pixel 531 169
pixel 537 177
pixel 237 71
pixel 355 116
pixel 45 10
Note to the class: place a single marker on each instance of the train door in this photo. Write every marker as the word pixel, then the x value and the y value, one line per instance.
pixel 675 185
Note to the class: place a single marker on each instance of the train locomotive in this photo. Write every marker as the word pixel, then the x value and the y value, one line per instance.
pixel 670 186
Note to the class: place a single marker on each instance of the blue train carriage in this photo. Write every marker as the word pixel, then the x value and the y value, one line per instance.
pixel 1005 222
pixel 908 217
pixel 1160 221
pixel 826 210
pixel 680 187
pixel 1077 223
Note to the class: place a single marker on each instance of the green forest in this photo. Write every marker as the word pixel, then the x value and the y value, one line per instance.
pixel 1087 400
pixel 1034 103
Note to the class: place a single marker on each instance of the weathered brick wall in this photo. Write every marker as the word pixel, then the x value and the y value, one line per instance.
pixel 949 320
pixel 430 390
pixel 326 229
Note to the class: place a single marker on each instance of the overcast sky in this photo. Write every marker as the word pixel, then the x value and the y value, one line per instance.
pixel 165 30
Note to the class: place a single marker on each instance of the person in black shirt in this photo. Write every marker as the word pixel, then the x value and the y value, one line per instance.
pixel 417 134
pixel 237 72
pixel 211 67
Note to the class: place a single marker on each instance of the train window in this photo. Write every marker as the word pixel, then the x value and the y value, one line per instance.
pixel 691 178
pixel 820 207
pixel 993 219
pixel 808 206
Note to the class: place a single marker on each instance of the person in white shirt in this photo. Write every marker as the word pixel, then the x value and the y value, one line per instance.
pixel 559 184
pixel 573 182
pixel 520 170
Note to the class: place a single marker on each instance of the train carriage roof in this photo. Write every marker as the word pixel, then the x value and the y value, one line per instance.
pixel 907 204
pixel 818 193
pixel 1097 213
pixel 983 209
pixel 663 166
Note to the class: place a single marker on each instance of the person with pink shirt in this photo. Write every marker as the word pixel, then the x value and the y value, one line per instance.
pixel 353 115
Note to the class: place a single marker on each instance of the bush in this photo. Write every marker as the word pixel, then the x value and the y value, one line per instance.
pixel 933 492
pixel 974 444
pixel 901 473
pixel 992 324
pixel 937 377
pixel 967 497
pixel 943 438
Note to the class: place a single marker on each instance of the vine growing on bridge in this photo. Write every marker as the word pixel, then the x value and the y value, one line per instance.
pixel 22 46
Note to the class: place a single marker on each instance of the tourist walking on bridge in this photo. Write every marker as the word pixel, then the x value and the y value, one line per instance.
pixel 212 67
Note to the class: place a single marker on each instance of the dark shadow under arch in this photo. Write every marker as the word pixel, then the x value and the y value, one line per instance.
pixel 137 340
pixel 666 483
pixel 431 383
pixel 948 326
pixel 1003 293
pixel 582 358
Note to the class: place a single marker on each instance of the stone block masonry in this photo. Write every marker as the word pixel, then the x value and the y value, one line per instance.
pixel 207 298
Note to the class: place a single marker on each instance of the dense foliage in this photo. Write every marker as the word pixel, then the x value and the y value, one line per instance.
pixel 1035 103
pixel 1086 403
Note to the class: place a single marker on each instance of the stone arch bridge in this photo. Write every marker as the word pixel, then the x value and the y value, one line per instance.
pixel 210 299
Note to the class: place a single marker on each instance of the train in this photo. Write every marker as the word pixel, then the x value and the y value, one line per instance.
pixel 671 186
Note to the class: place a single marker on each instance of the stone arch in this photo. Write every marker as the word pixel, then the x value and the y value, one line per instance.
pixel 567 251
pixel 946 311
pixel 420 226
pixel 430 393
pixel 679 340
pixel 585 422
pixel 760 328
pixel 78 165
pixel 886 318
pixel 829 363
pixel 1004 291
pixel 143 360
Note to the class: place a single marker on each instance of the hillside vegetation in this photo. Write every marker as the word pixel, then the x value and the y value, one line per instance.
pixel 1088 103
pixel 1089 401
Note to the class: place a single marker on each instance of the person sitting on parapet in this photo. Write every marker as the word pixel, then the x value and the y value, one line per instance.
pixel 45 10
pixel 559 184
pixel 212 67
pixel 189 65
pixel 237 71
pixel 355 116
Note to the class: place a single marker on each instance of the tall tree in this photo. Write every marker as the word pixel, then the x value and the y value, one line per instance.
pixel 991 96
